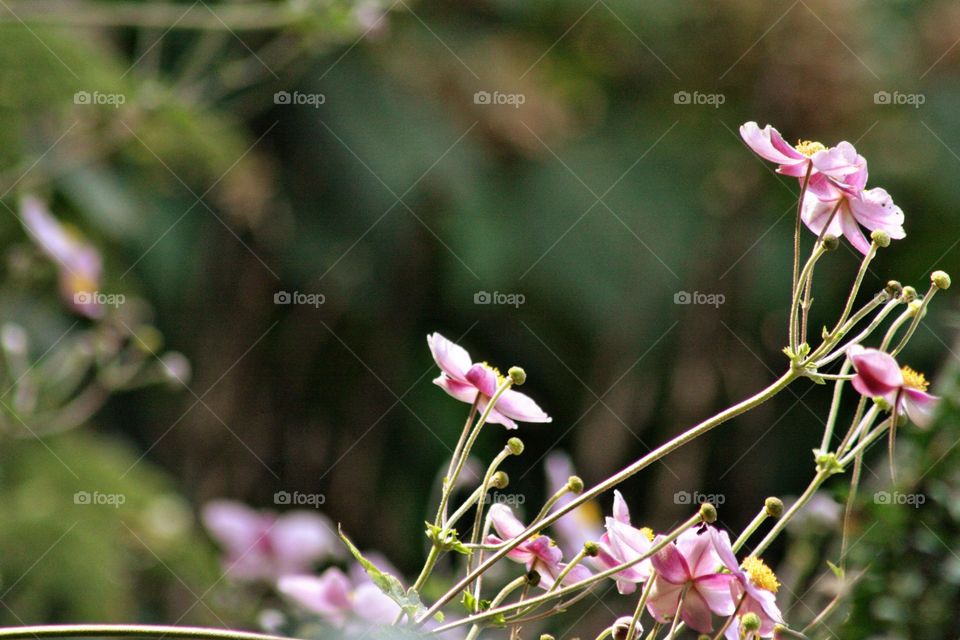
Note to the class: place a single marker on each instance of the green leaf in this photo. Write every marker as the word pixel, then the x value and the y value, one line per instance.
pixel 409 599
pixel 837 571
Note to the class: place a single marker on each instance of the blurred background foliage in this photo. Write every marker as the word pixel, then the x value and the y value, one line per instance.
pixel 400 198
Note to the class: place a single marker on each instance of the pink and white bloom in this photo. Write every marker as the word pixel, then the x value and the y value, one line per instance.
pixel 581 525
pixel 854 206
pixel 79 263
pixel 260 545
pixel 538 553
pixel 341 600
pixel 879 376
pixel 465 380
pixel 691 563
pixel 622 543
pixel 753 589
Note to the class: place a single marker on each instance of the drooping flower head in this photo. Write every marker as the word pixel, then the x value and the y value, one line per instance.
pixel 260 545
pixel 622 543
pixel 78 262
pixel 879 376
pixel 540 553
pixel 465 380
pixel 690 567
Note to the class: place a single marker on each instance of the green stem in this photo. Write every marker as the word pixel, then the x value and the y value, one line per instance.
pixel 916 320
pixel 129 630
pixel 818 251
pixel 751 528
pixel 818 480
pixel 448 483
pixel 641 603
pixel 796 243
pixel 834 409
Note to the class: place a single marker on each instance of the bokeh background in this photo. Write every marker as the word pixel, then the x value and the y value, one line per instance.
pixel 609 180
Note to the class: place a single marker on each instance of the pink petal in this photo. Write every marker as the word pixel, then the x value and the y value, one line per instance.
pixel 839 161
pixel 237 527
pixel 815 213
pixel 670 564
pixel 504 522
pixel 373 606
pixel 521 407
pixel 852 230
pixel 875 210
pixel 327 595
pixel 621 512
pixel 920 406
pixel 877 372
pixel 462 391
pixel 663 600
pixel 483 378
pixel 451 358
pixel 300 539
pixel 696 613
pixel 715 591
pixel 769 144
pixel 698 551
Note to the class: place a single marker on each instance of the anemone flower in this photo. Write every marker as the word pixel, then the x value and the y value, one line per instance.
pixel 340 600
pixel 260 545
pixel 879 376
pixel 689 568
pixel 622 543
pixel 753 588
pixel 468 382
pixel 538 553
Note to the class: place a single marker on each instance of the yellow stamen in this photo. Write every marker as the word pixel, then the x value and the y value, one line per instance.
pixel 500 377
pixel 809 147
pixel 647 533
pixel 760 574
pixel 914 379
pixel 589 513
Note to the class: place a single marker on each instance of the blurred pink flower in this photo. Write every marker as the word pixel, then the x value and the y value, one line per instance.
pixel 340 600
pixel 754 583
pixel 879 375
pixel 539 553
pixel 463 380
pixel 623 543
pixel 691 563
pixel 583 523
pixel 260 545
pixel 79 263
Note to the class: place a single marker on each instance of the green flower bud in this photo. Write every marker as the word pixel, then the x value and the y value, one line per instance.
pixel 894 289
pixel 773 507
pixel 518 375
pixel 940 279
pixel 880 237
pixel 830 242
pixel 547 636
pixel 708 512
pixel 591 548
pixel 499 480
pixel 575 484
pixel 909 294
pixel 750 622
pixel 515 445
pixel 915 307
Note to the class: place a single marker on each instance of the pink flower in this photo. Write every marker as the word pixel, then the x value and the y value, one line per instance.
pixel 583 523
pixel 464 380
pixel 79 263
pixel 259 545
pixel 340 600
pixel 623 543
pixel 691 563
pixel 538 553
pixel 872 208
pixel 879 376
pixel 754 583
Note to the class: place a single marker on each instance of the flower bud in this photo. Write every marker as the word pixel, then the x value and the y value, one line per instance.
pixel 575 484
pixel 621 628
pixel 909 294
pixel 880 237
pixel 547 636
pixel 515 445
pixel 533 578
pixel 894 289
pixel 708 512
pixel 591 548
pixel 940 279
pixel 518 375
pixel 750 622
pixel 915 307
pixel 499 480
pixel 773 506
pixel 830 242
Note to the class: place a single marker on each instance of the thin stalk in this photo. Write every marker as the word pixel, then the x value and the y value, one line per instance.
pixel 751 528
pixel 916 320
pixel 818 251
pixel 861 272
pixel 454 461
pixel 129 630
pixel 497 600
pixel 818 480
pixel 862 427
pixel 676 616
pixel 641 603
pixel 796 239
pixel 860 337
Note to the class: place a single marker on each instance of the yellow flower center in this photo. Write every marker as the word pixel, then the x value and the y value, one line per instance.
pixel 589 513
pixel 809 147
pixel 647 533
pixel 500 377
pixel 914 379
pixel 760 574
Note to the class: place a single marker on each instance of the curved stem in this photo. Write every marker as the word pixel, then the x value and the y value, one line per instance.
pixel 818 251
pixel 129 630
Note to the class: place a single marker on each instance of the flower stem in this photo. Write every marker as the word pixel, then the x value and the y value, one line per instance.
pixel 805 275
pixel 818 480
pixel 641 603
pixel 751 528
pixel 916 320
pixel 129 630
pixel 796 240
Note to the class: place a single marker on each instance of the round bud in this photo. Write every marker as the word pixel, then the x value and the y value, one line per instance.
pixel 499 480
pixel 830 242
pixel 915 307
pixel 940 279
pixel 621 628
pixel 708 512
pixel 547 636
pixel 515 445
pixel 894 289
pixel 880 237
pixel 779 631
pixel 533 578
pixel 591 548
pixel 773 506
pixel 750 622
pixel 909 294
pixel 518 375
pixel 575 484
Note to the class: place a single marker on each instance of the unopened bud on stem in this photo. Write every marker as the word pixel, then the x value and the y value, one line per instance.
pixel 880 237
pixel 894 289
pixel 515 445
pixel 591 548
pixel 750 622
pixel 518 375
pixel 940 279
pixel 708 512
pixel 830 242
pixel 773 506
pixel 909 294
pixel 575 484
pixel 499 480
